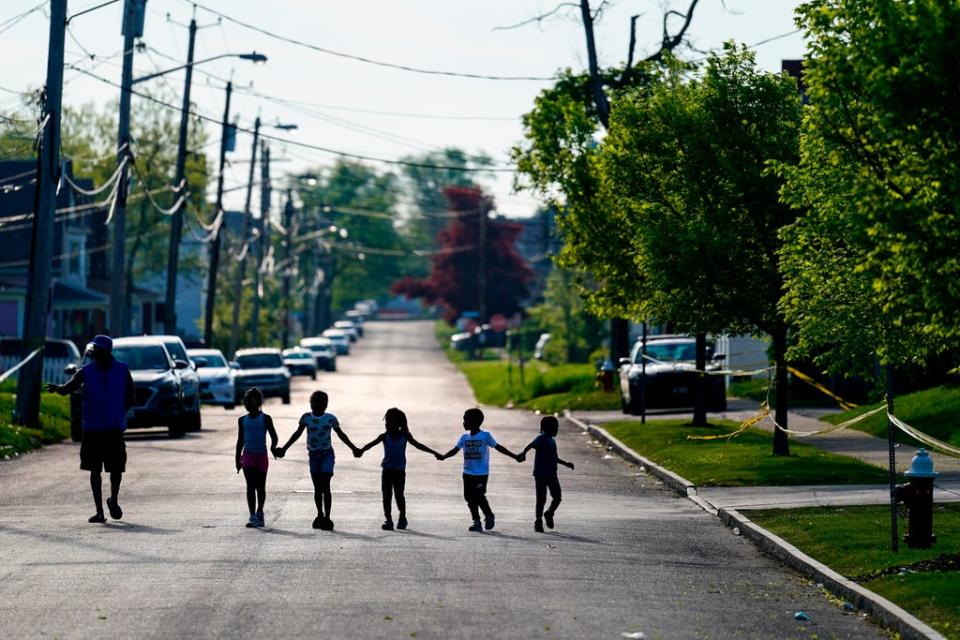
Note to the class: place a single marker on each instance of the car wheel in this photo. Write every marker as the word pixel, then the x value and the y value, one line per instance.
pixel 176 430
pixel 313 376
pixel 194 421
pixel 286 398
pixel 229 407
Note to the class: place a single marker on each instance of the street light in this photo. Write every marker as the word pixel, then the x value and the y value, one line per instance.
pixel 176 223
pixel 256 58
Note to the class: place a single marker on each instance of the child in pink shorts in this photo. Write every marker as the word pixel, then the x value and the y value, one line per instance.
pixel 252 430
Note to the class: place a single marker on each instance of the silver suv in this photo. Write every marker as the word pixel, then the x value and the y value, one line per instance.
pixel 264 369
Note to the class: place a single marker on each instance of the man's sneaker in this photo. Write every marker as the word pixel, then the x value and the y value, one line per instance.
pixel 96 518
pixel 318 522
pixel 490 521
pixel 387 525
pixel 548 518
pixel 402 522
pixel 538 526
pixel 260 522
pixel 251 522
pixel 115 511
pixel 476 527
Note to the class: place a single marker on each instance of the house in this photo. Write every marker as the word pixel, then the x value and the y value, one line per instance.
pixel 80 284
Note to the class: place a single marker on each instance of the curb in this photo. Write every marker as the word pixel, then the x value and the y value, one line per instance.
pixel 909 626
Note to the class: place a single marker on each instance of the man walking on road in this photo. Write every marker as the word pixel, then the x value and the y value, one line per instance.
pixel 108 392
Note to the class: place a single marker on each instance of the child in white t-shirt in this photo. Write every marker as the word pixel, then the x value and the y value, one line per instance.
pixel 319 426
pixel 476 447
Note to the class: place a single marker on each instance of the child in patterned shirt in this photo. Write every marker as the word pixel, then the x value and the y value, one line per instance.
pixel 319 426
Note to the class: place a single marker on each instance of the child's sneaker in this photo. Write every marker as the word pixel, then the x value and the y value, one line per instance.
pixel 318 522
pixel 402 522
pixel 475 527
pixel 96 518
pixel 538 526
pixel 387 525
pixel 251 522
pixel 490 521
pixel 548 518
pixel 327 524
pixel 260 522
pixel 115 511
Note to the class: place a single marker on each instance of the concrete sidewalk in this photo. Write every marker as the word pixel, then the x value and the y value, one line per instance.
pixel 847 442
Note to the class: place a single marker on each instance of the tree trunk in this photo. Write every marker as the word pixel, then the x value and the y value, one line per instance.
pixel 781 445
pixel 619 340
pixel 700 382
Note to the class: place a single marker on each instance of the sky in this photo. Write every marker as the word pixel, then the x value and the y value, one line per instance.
pixel 362 108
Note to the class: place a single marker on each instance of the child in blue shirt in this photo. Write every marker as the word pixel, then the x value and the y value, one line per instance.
pixel 545 470
pixel 394 475
pixel 476 447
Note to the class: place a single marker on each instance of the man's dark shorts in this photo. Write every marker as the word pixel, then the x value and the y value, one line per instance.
pixel 103 451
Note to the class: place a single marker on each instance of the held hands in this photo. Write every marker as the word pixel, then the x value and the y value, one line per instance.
pixel 357 452
pixel 279 452
pixel 439 456
pixel 274 450
pixel 521 457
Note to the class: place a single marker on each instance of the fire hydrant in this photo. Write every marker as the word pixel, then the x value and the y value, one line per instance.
pixel 917 495
pixel 605 375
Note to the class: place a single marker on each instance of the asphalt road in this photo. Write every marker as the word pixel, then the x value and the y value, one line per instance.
pixel 626 556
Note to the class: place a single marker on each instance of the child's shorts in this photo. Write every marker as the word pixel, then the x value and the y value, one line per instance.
pixel 259 462
pixel 322 461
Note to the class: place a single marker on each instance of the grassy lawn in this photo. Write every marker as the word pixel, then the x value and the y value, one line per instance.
pixel 743 461
pixel 539 387
pixel 855 541
pixel 933 411
pixel 54 418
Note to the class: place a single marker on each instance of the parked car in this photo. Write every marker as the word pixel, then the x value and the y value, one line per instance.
pixel 357 319
pixel 216 377
pixel 541 345
pixel 261 368
pixel 349 328
pixel 486 337
pixel 461 341
pixel 159 400
pixel 300 362
pixel 670 375
pixel 191 379
pixel 369 308
pixel 324 352
pixel 340 340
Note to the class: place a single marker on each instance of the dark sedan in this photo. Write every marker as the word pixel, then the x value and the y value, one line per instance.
pixel 670 375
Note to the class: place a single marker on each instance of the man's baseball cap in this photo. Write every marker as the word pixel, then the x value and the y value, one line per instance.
pixel 102 342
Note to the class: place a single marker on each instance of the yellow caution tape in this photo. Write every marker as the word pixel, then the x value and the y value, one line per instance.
pixel 831 428
pixel 928 440
pixel 761 413
pixel 819 387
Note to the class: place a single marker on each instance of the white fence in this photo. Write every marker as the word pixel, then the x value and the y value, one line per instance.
pixel 52 368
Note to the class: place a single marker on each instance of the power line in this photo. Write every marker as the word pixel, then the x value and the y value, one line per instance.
pixel 307 145
pixel 350 56
pixel 10 23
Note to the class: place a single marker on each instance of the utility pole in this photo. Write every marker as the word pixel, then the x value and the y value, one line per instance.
pixel 133 17
pixel 244 247
pixel 287 267
pixel 892 462
pixel 176 222
pixel 262 226
pixel 217 226
pixel 482 279
pixel 30 378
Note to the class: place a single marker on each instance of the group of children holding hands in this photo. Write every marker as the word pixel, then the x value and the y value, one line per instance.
pixel 253 459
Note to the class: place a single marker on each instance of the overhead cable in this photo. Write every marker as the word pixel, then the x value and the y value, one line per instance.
pixel 350 56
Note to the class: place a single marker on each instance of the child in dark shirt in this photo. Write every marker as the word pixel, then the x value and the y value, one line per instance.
pixel 393 478
pixel 545 470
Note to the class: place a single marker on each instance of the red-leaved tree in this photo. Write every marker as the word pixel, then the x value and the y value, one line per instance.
pixel 456 279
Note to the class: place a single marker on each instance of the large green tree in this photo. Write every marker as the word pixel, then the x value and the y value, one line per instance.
pixel 686 168
pixel 872 266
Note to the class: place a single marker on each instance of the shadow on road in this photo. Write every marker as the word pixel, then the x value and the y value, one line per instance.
pixel 421 534
pixel 133 527
pixel 573 538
